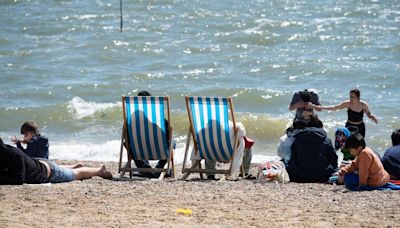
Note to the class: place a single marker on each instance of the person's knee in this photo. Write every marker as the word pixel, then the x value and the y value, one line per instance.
pixel 351 181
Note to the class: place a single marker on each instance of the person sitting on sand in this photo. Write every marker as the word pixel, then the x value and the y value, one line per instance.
pixel 17 168
pixel 284 150
pixel 313 156
pixel 244 153
pixel 355 111
pixel 366 170
pixel 247 156
pixel 391 158
pixel 37 145
pixel 341 135
pixel 304 102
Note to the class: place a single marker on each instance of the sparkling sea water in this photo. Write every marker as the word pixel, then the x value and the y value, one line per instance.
pixel 66 64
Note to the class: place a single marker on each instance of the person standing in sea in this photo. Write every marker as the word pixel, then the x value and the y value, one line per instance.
pixel 304 102
pixel 355 111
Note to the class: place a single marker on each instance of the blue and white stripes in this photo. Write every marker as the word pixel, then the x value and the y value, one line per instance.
pixel 210 121
pixel 146 125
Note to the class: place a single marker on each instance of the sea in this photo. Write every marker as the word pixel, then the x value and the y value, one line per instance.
pixel 66 64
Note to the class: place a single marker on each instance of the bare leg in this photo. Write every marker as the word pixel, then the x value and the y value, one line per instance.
pixel 74 166
pixel 82 173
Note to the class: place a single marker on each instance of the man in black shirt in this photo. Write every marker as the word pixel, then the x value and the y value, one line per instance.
pixel 17 168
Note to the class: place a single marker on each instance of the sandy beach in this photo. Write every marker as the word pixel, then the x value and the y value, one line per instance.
pixel 103 203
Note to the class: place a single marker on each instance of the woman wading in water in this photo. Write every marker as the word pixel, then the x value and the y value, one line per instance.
pixel 355 111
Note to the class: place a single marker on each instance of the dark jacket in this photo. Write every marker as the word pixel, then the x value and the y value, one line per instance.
pixel 313 156
pixel 38 147
pixel 391 161
pixel 18 168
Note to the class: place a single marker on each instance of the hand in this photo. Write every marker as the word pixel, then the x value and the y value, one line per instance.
pixel 308 105
pixel 341 179
pixel 318 108
pixel 373 117
pixel 14 139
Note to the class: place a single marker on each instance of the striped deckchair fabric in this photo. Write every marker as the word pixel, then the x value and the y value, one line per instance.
pixel 209 119
pixel 211 127
pixel 145 132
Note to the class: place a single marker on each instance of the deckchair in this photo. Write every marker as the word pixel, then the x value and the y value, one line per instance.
pixel 146 135
pixel 209 128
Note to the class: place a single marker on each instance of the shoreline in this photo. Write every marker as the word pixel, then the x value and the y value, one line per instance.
pixel 99 202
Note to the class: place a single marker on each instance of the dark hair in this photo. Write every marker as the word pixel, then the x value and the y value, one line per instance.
pixel 315 122
pixel 144 93
pixel 30 126
pixel 305 96
pixel 299 124
pixel 354 141
pixel 356 92
pixel 396 137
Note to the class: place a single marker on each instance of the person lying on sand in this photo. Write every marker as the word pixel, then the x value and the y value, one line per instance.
pixel 17 168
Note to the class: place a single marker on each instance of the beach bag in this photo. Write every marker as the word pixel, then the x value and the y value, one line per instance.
pixel 272 171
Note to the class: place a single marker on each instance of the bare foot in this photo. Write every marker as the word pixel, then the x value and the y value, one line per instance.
pixel 104 173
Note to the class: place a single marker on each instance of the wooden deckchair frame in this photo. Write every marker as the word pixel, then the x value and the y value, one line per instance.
pixel 125 143
pixel 196 166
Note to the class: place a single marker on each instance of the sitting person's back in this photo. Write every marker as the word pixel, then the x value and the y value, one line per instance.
pixel 313 156
pixel 285 142
pixel 391 158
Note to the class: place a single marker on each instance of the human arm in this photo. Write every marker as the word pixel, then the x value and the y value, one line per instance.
pixel 296 102
pixel 368 113
pixel 285 146
pixel 18 143
pixel 20 146
pixel 348 168
pixel 299 104
pixel 310 105
pixel 342 105
pixel 365 161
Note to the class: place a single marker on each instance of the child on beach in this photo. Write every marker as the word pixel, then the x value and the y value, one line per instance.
pixel 366 171
pixel 391 158
pixel 341 135
pixel 37 145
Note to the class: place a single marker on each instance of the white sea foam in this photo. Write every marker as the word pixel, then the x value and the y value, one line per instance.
pixel 80 108
pixel 73 150
pixel 107 151
pixel 110 151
